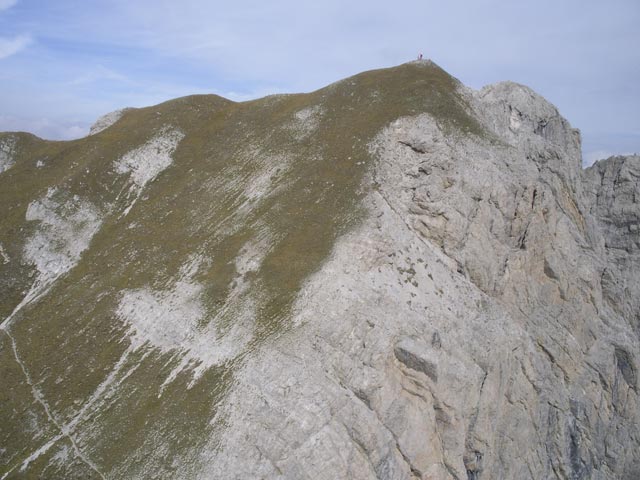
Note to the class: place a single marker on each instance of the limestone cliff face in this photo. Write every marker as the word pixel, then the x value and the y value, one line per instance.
pixel 394 277
pixel 613 186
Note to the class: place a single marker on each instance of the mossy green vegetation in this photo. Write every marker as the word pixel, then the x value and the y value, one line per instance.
pixel 244 171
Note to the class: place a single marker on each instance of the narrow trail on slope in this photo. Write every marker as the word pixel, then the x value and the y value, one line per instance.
pixel 37 395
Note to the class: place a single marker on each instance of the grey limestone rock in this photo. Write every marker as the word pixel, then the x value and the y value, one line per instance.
pixel 7 153
pixel 107 120
pixel 506 243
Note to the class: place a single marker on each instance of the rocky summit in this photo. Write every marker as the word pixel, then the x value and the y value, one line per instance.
pixel 393 277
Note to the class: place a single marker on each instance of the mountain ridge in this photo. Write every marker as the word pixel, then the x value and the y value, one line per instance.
pixel 390 277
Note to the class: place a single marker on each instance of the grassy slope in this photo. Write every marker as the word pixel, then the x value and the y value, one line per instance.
pixel 70 340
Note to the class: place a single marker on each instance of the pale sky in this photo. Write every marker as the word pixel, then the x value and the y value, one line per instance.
pixel 63 63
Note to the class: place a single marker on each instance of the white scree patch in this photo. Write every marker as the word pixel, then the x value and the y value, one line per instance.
pixel 147 161
pixel 306 121
pixel 173 320
pixel 65 231
pixel 7 153
pixel 3 255
pixel 66 228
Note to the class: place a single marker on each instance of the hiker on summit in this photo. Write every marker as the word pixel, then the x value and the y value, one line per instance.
pixel 420 57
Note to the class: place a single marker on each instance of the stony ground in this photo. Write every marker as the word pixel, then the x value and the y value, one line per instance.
pixel 392 277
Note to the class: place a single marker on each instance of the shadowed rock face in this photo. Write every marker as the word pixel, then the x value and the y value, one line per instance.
pixel 392 277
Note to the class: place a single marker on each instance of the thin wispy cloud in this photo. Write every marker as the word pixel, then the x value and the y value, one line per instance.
pixel 6 4
pixel 11 46
pixel 97 74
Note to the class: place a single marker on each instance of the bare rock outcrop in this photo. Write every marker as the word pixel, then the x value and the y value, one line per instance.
pixel 107 120
pixel 466 330
pixel 613 193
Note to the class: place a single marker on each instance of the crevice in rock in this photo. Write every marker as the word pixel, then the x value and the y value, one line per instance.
pixel 451 471
pixel 578 466
pixel 536 388
pixel 472 458
pixel 415 362
pixel 549 271
pixel 268 459
pixel 540 128
pixel 624 363
pixel 414 471
pixel 361 447
pixel 416 148
pixel 552 457
pixel 522 241
pixel 473 464
pixel 549 355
